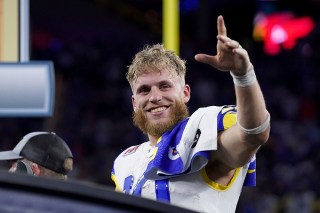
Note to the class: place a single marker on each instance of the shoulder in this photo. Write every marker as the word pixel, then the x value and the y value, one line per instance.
pixel 130 150
pixel 227 117
pixel 130 153
pixel 125 162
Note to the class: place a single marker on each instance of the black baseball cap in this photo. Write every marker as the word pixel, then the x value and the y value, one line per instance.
pixel 44 148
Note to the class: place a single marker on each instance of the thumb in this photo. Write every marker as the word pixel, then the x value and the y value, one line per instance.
pixel 207 59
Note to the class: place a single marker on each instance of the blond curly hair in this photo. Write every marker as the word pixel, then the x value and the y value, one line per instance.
pixel 155 57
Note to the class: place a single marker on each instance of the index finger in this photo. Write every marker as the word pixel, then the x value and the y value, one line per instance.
pixel 222 30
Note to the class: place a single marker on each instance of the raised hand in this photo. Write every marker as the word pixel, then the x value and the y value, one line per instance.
pixel 230 55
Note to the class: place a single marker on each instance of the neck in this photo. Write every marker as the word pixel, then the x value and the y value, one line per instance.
pixel 153 139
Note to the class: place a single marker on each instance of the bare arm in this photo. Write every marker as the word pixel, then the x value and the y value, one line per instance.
pixel 235 146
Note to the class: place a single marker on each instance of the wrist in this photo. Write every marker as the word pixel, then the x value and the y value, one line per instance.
pixel 245 80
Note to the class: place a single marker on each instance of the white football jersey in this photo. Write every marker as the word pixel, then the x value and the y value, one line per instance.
pixel 193 191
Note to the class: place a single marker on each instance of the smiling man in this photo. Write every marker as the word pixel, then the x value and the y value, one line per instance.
pixel 159 100
pixel 201 161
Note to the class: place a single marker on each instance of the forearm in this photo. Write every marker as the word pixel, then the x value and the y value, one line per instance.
pixel 252 113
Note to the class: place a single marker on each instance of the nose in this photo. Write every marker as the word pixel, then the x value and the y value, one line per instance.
pixel 155 95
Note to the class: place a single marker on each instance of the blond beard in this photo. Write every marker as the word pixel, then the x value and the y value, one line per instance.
pixel 178 112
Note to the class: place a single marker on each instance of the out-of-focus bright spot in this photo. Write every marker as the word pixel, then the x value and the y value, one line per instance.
pixel 278 34
pixel 280 30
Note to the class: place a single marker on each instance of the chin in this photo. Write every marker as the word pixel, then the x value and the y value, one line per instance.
pixel 159 119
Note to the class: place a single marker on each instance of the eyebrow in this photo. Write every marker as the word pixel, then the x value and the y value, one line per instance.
pixel 143 86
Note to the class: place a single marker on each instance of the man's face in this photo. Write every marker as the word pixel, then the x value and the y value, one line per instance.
pixel 159 101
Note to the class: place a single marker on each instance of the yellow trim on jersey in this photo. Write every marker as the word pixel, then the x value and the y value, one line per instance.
pixel 227 108
pixel 113 177
pixel 251 171
pixel 229 119
pixel 218 186
pixel 154 151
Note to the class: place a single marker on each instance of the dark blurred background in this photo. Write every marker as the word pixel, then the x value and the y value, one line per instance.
pixel 92 41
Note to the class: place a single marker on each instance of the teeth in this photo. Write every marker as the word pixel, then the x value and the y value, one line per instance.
pixel 158 109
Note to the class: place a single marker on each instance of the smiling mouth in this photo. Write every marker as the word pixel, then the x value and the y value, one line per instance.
pixel 158 109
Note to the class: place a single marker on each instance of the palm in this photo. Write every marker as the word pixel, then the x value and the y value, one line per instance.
pixel 226 59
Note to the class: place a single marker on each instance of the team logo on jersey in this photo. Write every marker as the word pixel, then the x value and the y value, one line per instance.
pixel 173 153
pixel 196 138
pixel 130 150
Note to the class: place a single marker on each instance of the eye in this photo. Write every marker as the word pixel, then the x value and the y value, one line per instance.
pixel 165 86
pixel 143 90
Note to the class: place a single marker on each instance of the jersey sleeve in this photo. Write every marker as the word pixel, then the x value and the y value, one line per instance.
pixel 227 117
pixel 122 167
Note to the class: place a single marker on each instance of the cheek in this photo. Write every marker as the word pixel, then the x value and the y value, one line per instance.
pixel 140 103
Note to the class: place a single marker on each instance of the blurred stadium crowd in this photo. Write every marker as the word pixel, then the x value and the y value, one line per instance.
pixel 91 50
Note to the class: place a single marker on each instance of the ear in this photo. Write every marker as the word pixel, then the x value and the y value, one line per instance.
pixel 186 92
pixel 36 169
pixel 133 103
